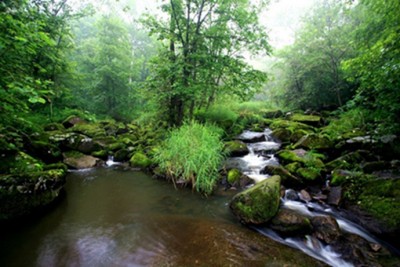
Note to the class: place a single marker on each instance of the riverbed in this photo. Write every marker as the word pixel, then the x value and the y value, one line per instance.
pixel 116 217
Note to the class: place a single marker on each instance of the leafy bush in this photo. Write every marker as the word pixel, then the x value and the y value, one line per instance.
pixel 350 122
pixel 221 115
pixel 192 153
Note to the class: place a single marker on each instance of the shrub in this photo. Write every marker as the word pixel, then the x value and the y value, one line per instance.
pixel 192 153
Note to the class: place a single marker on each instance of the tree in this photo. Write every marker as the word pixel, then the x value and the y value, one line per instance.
pixel 204 44
pixel 376 66
pixel 33 40
pixel 314 77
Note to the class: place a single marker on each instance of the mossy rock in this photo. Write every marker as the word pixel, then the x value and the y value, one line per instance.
pixel 272 114
pixel 312 120
pixel 46 151
pixel 308 174
pixel 290 156
pixel 348 161
pixel 287 178
pixel 54 127
pixel 314 141
pixel 89 129
pixel 23 194
pixel 381 199
pixel 258 204
pixel 19 162
pixel 339 176
pixel 236 148
pixel 103 154
pixel 290 223
pixel 292 167
pixel 121 155
pixel 72 120
pixel 56 166
pixel 282 134
pixel 298 134
pixel 233 176
pixel 291 125
pixel 115 146
pixel 140 160
pixel 77 160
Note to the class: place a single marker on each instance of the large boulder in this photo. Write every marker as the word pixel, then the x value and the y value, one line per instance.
pixel 22 194
pixel 259 203
pixel 140 160
pixel 288 179
pixel 314 141
pixel 77 160
pixel 288 222
pixel 312 120
pixel 236 148
pixel 326 229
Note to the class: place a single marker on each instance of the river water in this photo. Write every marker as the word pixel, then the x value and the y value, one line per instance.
pixel 113 217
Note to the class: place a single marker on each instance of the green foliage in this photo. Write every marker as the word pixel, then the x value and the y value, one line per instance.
pixel 376 65
pixel 192 153
pixel 312 76
pixel 201 58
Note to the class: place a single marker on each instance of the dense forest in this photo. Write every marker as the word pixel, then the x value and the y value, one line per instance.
pixel 168 90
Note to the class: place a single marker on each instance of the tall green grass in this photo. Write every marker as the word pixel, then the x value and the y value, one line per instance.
pixel 192 153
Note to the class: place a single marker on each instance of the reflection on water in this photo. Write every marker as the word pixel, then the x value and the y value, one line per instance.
pixel 121 218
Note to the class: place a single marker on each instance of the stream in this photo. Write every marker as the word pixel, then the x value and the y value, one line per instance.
pixel 112 216
pixel 116 217
pixel 262 154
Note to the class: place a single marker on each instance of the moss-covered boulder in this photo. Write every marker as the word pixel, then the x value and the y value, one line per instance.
pixel 19 162
pixel 313 120
pixel 282 134
pixel 121 155
pixel 309 174
pixel 290 223
pixel 381 199
pixel 287 178
pixel 259 203
pixel 77 160
pixel 140 160
pixel 24 193
pixel 291 125
pixel 89 129
pixel 272 114
pixel 349 161
pixel 290 156
pixel 54 127
pixel 233 176
pixel 314 141
pixel 46 151
pixel 236 148
pixel 73 120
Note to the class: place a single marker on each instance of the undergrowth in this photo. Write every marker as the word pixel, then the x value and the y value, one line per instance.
pixel 192 153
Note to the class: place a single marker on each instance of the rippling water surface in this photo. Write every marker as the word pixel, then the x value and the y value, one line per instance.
pixel 112 217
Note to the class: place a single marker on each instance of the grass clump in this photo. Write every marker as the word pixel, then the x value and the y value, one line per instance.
pixel 192 153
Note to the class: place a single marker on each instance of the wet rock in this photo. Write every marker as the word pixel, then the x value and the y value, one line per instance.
pixel 72 120
pixel 314 141
pixel 121 155
pixel 288 179
pixel 259 203
pixel 289 223
pixel 289 156
pixel 140 160
pixel 305 196
pixel 236 148
pixel 326 228
pixel 370 167
pixel 282 134
pixel 251 137
pixel 77 160
pixel 308 174
pixel 233 176
pixel 313 120
pixel 272 114
pixel 335 195
pixel 291 194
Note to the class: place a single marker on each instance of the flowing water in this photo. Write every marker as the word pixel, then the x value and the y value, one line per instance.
pixel 113 217
pixel 261 154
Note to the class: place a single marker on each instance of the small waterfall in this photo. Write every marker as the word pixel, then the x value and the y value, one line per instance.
pixel 110 161
pixel 262 154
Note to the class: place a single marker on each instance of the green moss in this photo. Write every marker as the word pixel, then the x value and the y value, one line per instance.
pixel 140 160
pixel 314 141
pixel 60 166
pixel 233 176
pixel 292 167
pixel 20 162
pixel 103 154
pixel 89 129
pixel 73 154
pixel 291 125
pixel 259 203
pixel 349 161
pixel 116 146
pixel 282 134
pixel 235 148
pixel 289 156
pixel 308 173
